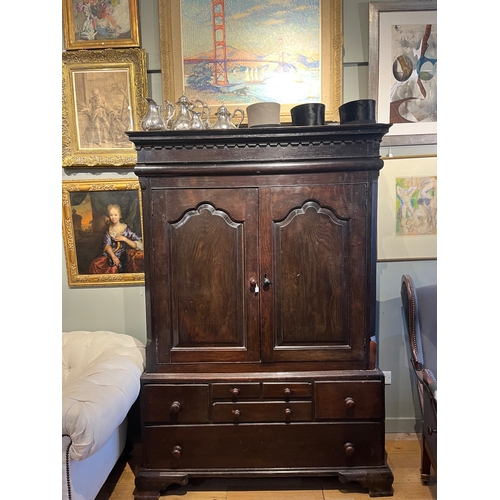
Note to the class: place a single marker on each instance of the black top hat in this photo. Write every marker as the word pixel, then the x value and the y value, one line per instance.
pixel 310 113
pixel 360 111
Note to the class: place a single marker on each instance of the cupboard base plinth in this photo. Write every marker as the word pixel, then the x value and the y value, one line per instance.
pixel 378 481
pixel 151 483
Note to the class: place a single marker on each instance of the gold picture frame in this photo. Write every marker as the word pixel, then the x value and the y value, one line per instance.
pixel 85 206
pixel 103 96
pixel 325 69
pixel 100 25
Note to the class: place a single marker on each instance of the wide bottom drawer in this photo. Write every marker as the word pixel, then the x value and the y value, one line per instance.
pixel 264 446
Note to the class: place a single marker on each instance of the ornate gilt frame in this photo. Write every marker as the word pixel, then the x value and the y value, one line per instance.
pixel 172 73
pixel 76 278
pixel 70 30
pixel 82 71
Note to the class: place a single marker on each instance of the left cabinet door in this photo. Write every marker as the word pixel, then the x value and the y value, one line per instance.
pixel 205 259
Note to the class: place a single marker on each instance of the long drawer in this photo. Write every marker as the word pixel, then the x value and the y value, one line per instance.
pixel 264 446
pixel 254 390
pixel 269 411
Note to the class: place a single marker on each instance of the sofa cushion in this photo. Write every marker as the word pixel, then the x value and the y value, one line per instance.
pixel 101 381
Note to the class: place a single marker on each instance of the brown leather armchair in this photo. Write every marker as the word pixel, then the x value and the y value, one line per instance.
pixel 420 312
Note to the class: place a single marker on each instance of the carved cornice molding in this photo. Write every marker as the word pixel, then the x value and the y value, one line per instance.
pixel 279 136
pixel 249 146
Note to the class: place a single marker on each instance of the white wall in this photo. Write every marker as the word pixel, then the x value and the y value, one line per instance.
pixel 122 309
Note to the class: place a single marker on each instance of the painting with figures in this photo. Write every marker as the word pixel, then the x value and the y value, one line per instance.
pixel 103 232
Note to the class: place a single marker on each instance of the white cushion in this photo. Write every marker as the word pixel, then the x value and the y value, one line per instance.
pixel 101 381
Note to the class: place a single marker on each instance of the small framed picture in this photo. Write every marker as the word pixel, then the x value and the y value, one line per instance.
pixel 100 24
pixel 103 97
pixel 102 232
pixel 407 209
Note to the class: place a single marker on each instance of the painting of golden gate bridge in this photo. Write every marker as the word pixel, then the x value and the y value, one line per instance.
pixel 237 52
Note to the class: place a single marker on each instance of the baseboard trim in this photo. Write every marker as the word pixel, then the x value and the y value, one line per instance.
pixel 408 424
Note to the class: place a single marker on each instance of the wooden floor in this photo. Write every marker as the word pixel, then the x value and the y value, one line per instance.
pixel 403 456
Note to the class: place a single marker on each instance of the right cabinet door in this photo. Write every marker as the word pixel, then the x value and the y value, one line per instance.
pixel 313 251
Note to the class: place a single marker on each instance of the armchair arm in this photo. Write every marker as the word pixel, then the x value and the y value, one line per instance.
pixel 427 379
pixel 431 382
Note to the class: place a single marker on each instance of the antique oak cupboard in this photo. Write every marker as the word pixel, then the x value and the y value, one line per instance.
pixel 260 296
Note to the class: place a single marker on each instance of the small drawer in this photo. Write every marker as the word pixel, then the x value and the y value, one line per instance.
pixel 286 390
pixel 271 411
pixel 349 400
pixel 237 391
pixel 175 403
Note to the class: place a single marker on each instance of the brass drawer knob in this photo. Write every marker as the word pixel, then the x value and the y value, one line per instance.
pixel 349 449
pixel 235 391
pixel 236 413
pixel 175 407
pixel 176 452
pixel 349 403
pixel 287 391
pixel 288 411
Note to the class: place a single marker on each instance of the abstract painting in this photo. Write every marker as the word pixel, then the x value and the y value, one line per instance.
pixel 403 75
pixel 416 206
pixel 407 209
pixel 413 96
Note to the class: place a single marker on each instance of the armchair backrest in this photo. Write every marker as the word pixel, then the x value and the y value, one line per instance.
pixel 420 312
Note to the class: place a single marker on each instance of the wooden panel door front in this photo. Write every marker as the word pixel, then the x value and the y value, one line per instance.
pixel 205 261
pixel 313 252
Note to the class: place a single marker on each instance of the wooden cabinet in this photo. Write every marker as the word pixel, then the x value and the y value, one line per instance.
pixel 260 281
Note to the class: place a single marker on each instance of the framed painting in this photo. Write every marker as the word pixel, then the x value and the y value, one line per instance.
pixel 407 209
pixel 102 232
pixel 239 52
pixel 103 96
pixel 402 75
pixel 100 24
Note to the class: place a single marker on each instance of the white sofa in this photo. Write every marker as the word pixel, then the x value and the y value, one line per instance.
pixel 101 374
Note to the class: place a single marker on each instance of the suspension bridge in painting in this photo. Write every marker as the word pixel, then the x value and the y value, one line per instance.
pixel 219 60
